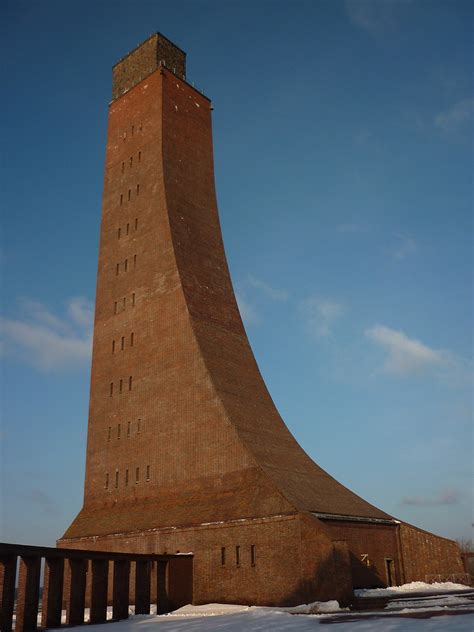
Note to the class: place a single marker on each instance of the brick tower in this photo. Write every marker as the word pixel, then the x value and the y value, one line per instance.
pixel 186 450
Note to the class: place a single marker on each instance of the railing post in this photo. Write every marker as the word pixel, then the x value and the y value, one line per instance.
pixel 7 591
pixel 77 592
pixel 28 594
pixel 52 600
pixel 120 589
pixel 100 575
pixel 162 605
pixel 142 587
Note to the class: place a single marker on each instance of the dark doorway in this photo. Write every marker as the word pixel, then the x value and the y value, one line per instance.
pixel 390 570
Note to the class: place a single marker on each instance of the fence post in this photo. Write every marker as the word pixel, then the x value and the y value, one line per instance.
pixel 28 594
pixel 77 592
pixel 52 600
pixel 100 575
pixel 162 606
pixel 120 589
pixel 7 591
pixel 142 587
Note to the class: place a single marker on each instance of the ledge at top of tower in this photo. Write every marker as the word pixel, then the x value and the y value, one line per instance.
pixel 145 59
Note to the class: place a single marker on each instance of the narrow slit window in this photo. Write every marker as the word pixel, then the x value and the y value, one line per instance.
pixel 140 127
pixel 128 226
pixel 123 166
pixel 223 556
pixel 121 199
pixel 115 307
pixel 119 231
pixel 126 264
pixel 147 472
pixel 253 554
pixel 117 268
pixel 137 474
pixel 113 346
pixel 116 478
pixel 130 383
pixel 126 477
pixel 133 299
pixel 138 189
pixel 134 260
pixel 124 136
pixel 120 385
pixel 129 194
pixel 124 302
pixel 109 435
pixel 139 423
pixel 131 339
pixel 139 156
pixel 122 343
pixel 111 389
pixel 128 428
pixel 136 223
pixel 119 428
pixel 133 128
pixel 107 481
pixel 237 555
pixel 131 161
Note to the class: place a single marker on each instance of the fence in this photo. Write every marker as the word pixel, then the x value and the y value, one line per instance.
pixel 74 579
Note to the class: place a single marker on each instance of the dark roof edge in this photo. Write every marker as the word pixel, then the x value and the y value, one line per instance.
pixel 340 517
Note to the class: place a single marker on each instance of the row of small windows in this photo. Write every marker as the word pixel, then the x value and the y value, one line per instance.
pixel 133 129
pixel 122 305
pixel 129 194
pixel 238 555
pixel 130 426
pixel 115 345
pixel 127 477
pixel 127 229
pixel 125 265
pixel 130 161
pixel 121 385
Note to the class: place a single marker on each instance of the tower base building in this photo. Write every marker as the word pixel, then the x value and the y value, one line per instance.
pixel 186 451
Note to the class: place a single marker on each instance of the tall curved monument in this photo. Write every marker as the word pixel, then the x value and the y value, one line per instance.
pixel 186 450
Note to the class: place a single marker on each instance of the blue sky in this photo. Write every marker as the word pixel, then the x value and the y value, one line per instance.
pixel 343 156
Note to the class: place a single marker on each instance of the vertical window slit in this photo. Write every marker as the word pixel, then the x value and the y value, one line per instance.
pixel 118 233
pixel 138 426
pixel 237 555
pixel 134 260
pixel 120 386
pixel 147 472
pixel 137 474
pixel 139 156
pixel 122 343
pixel 129 194
pixel 128 226
pixel 107 481
pixel 131 161
pixel 115 307
pixel 130 383
pixel 126 264
pixel 223 556
pixel 111 389
pixel 128 428
pixel 119 428
pixel 131 339
pixel 113 346
pixel 136 223
pixel 116 478
pixel 138 189
pixel 133 299
pixel 109 435
pixel 117 267
pixel 121 199
pixel 126 477
pixel 253 554
pixel 123 166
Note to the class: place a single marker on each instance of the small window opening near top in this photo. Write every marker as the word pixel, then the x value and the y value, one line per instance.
pixel 113 346
pixel 133 299
pixel 134 260
pixel 128 428
pixel 130 383
pixel 138 189
pixel 140 127
pixel 223 556
pixel 121 199
pixel 126 477
pixel 237 555
pixel 120 386
pixel 129 194
pixel 128 226
pixel 109 435
pixel 131 161
pixel 147 472
pixel 139 423
pixel 133 129
pixel 137 474
pixel 124 136
pixel 115 307
pixel 116 478
pixel 131 339
pixel 119 427
pixel 139 156
pixel 124 302
pixel 117 268
pixel 107 481
pixel 119 231
pixel 123 166
pixel 111 389
pixel 136 223
pixel 126 264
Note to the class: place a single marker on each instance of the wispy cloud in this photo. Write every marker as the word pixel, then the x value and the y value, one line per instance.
pixel 404 246
pixel 249 314
pixel 455 121
pixel 404 355
pixel 320 315
pixel 445 497
pixel 275 294
pixel 50 342
pixel 374 16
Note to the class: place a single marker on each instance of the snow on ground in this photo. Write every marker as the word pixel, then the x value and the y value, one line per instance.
pixel 264 620
pixel 412 587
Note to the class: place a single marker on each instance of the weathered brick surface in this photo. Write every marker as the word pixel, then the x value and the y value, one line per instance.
pixel 175 389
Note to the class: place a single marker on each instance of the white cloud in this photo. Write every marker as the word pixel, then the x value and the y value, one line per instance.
pixel 404 355
pixel 247 311
pixel 272 293
pixel 456 119
pixel 446 497
pixel 404 247
pixel 373 16
pixel 48 342
pixel 320 315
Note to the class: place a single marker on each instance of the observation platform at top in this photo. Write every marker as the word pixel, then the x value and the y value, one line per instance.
pixel 155 52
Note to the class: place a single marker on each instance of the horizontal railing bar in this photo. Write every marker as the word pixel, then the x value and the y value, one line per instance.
pixel 26 550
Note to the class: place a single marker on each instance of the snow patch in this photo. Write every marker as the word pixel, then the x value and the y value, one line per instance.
pixel 412 587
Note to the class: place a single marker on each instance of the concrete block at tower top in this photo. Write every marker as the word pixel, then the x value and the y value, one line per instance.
pixel 145 59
